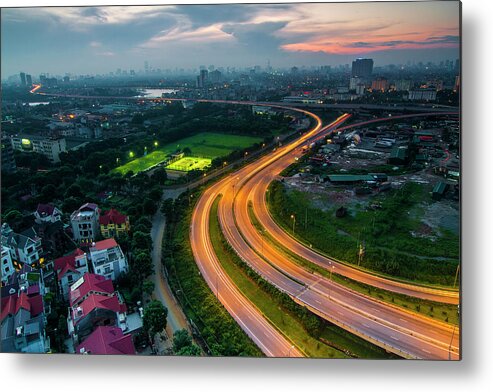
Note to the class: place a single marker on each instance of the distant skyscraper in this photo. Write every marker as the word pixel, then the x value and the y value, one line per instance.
pixel 215 76
pixel 146 67
pixel 202 78
pixel 325 69
pixel 23 78
pixel 362 68
pixel 29 80
pixel 457 83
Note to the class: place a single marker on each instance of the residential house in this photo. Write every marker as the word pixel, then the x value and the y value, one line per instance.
pixel 23 323
pixel 106 340
pixel 93 303
pixel 114 224
pixel 85 223
pixel 107 259
pixel 7 268
pixel 25 248
pixel 69 269
pixel 47 213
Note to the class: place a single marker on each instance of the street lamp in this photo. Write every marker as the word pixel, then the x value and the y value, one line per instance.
pixel 289 352
pixel 452 339
pixel 331 268
pixel 294 221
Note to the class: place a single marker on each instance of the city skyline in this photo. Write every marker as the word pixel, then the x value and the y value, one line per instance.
pixel 102 39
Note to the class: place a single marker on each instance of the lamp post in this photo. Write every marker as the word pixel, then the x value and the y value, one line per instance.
pixel 289 352
pixel 294 221
pixel 456 274
pixel 452 339
pixel 330 276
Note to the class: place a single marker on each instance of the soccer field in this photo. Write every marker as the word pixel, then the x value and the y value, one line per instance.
pixel 189 163
pixel 210 145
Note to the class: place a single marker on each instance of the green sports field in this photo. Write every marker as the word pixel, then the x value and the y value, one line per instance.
pixel 206 145
pixel 189 163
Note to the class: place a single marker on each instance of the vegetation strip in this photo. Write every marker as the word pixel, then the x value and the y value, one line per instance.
pixel 305 329
pixel 439 311
pixel 221 335
pixel 397 265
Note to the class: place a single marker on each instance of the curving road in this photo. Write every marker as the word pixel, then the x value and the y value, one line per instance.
pixel 258 191
pixel 398 331
pixel 268 339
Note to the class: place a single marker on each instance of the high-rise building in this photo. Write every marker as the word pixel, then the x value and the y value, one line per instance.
pixel 325 69
pixel 215 76
pixel 402 85
pixel 354 81
pixel 362 68
pixel 457 83
pixel 146 67
pixel 23 78
pixel 380 84
pixel 202 78
pixel 29 80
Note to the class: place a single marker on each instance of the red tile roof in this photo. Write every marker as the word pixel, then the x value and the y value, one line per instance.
pixel 45 209
pixel 13 303
pixel 105 244
pixel 112 217
pixel 96 301
pixel 106 340
pixel 67 263
pixel 92 283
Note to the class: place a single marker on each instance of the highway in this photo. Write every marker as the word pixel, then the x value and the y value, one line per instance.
pixel 267 337
pixel 401 332
pixel 258 198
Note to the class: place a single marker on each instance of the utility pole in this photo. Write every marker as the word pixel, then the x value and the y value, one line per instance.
pixel 456 274
pixel 294 221
pixel 306 217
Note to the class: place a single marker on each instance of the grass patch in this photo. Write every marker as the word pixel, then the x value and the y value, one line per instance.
pixel 189 163
pixel 207 145
pixel 390 249
pixel 313 335
pixel 439 311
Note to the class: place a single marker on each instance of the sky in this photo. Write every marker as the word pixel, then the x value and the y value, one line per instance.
pixel 91 40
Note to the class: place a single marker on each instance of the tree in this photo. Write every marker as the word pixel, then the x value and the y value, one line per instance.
pixel 142 265
pixel 181 339
pixel 74 190
pixel 148 287
pixel 141 241
pixel 149 206
pixel 190 351
pixel 155 317
pixel 155 194
pixel 159 176
pixel 48 193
